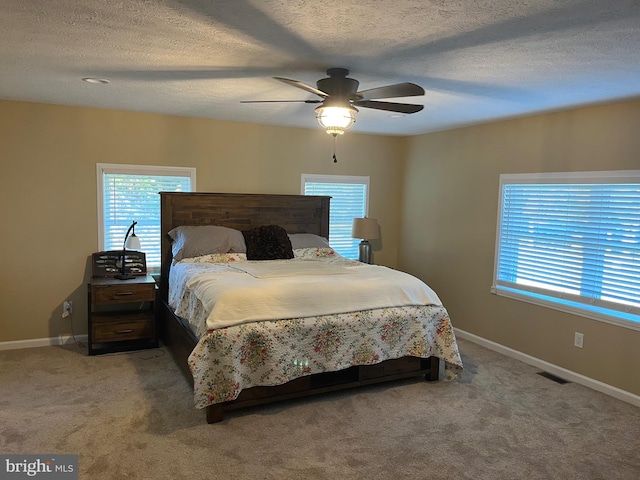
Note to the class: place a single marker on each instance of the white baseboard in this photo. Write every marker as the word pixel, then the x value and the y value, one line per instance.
pixel 42 342
pixel 551 368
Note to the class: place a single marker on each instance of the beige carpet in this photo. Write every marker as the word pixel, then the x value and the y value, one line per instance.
pixel 131 416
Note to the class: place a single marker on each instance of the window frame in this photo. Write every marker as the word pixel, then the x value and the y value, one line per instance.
pixel 129 169
pixel 628 317
pixel 348 179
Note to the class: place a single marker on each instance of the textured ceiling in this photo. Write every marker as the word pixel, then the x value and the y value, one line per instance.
pixel 477 60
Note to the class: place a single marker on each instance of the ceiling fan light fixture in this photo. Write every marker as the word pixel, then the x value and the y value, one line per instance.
pixel 336 120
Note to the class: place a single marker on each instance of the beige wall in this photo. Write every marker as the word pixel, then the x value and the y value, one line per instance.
pixel 445 199
pixel 449 225
pixel 48 190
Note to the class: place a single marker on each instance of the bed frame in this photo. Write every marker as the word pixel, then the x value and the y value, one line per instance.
pixel 297 214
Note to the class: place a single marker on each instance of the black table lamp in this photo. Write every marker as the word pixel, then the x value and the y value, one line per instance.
pixel 132 243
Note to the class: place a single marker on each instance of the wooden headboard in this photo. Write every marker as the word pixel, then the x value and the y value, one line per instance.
pixel 242 211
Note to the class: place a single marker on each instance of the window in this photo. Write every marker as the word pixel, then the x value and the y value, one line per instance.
pixel 130 192
pixel 349 200
pixel 571 241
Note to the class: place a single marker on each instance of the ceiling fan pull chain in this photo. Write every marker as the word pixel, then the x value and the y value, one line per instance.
pixel 335 139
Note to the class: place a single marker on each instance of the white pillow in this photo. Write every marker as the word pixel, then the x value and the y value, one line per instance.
pixel 193 241
pixel 307 240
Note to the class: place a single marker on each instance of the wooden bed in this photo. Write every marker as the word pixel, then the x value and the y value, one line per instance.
pixel 297 214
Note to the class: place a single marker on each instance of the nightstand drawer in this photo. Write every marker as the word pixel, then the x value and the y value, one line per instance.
pixel 118 328
pixel 122 293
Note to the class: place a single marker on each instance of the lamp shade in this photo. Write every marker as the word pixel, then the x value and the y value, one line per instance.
pixel 133 242
pixel 366 228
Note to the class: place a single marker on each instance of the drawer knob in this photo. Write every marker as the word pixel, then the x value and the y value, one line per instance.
pixel 121 294
pixel 128 330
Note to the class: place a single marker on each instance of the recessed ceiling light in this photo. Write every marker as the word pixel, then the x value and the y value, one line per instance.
pixel 95 80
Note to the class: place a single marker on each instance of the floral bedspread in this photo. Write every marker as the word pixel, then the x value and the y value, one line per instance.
pixel 228 360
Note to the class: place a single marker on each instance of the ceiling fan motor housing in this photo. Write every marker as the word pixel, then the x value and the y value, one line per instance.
pixel 341 90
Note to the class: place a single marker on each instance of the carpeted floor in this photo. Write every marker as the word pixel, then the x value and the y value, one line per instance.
pixel 131 416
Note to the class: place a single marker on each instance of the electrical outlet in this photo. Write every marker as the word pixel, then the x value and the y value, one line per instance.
pixel 67 308
pixel 578 340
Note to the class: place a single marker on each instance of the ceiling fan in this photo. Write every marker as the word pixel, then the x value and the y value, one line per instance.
pixel 340 97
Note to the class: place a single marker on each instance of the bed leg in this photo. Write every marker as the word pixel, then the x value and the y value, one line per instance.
pixel 215 413
pixel 434 369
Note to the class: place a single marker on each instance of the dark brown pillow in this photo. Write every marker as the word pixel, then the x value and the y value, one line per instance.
pixel 269 242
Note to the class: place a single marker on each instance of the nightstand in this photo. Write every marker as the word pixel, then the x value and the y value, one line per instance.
pixel 122 314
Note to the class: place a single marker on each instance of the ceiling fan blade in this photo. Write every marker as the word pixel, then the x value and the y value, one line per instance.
pixel 189 73
pixel 389 106
pixel 280 101
pixel 391 91
pixel 303 86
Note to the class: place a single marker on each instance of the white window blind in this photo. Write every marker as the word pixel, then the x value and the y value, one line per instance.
pixel 127 193
pixel 572 240
pixel 349 200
